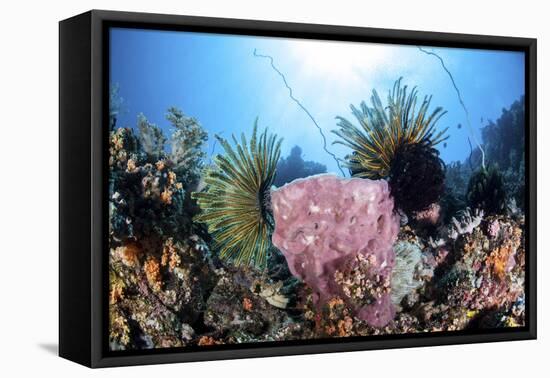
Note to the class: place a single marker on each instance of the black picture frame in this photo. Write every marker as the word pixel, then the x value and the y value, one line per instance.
pixel 83 252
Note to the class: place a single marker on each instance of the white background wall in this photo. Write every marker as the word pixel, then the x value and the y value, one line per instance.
pixel 29 188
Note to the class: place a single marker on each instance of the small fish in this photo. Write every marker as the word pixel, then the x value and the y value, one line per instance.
pixel 445 145
pixel 459 126
pixel 481 119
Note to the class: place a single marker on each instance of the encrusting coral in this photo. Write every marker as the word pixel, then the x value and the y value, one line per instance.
pixel 165 291
pixel 247 305
pixel 488 274
pixel 235 204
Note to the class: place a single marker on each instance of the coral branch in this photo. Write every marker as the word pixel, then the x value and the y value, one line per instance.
pixel 290 92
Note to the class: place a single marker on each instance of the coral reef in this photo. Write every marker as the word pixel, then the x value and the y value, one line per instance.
pixel 148 197
pixel 235 205
pixel 205 256
pixel 160 272
pixel 249 306
pixel 488 272
pixel 186 144
pixel 158 295
pixel 337 235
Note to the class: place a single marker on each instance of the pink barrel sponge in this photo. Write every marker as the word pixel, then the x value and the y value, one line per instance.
pixel 337 236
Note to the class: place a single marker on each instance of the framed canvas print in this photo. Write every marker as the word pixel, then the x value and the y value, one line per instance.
pixel 233 188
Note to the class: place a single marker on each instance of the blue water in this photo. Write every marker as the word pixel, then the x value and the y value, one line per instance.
pixel 218 80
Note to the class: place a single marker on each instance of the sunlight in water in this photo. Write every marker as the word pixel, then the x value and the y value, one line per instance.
pixel 341 61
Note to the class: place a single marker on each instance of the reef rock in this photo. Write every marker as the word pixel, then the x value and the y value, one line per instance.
pixel 337 235
pixel 488 275
pixel 246 306
pixel 158 293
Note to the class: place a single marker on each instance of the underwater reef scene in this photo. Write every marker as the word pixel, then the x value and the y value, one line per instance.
pixel 241 237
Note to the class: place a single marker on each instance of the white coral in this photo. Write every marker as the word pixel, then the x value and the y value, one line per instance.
pixel 466 223
pixel 408 260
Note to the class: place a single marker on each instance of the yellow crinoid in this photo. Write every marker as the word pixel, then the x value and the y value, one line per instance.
pixel 384 129
pixel 235 203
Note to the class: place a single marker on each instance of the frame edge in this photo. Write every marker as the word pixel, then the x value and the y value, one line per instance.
pixel 74 193
pixel 98 17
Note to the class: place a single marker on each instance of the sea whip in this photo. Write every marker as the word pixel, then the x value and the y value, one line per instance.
pixel 303 108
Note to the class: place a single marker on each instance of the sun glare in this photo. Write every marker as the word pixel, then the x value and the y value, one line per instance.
pixel 341 60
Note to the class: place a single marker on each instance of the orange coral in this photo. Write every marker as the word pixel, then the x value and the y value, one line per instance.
pixel 171 178
pixel 170 255
pixel 335 302
pixel 152 272
pixel 501 258
pixel 129 254
pixel 247 304
pixel 345 326
pixel 498 260
pixel 336 319
pixel 208 340
pixel 160 165
pixel 166 196
pixel 116 294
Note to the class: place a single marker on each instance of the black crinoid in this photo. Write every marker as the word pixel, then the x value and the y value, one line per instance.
pixel 486 191
pixel 396 142
pixel 417 177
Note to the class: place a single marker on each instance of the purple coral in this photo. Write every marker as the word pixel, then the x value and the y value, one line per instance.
pixel 337 235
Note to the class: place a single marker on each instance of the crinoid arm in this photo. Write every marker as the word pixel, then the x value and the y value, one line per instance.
pixel 235 203
pixel 382 130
